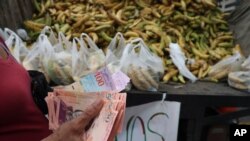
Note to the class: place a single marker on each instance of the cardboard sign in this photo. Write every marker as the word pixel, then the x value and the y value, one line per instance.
pixel 156 121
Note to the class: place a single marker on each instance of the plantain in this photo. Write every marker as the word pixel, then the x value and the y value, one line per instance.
pixel 197 26
pixel 169 75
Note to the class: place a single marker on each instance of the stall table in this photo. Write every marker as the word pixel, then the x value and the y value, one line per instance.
pixel 195 98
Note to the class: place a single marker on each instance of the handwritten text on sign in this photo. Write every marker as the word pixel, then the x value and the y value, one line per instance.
pixel 154 121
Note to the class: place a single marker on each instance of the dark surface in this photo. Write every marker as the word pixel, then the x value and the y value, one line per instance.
pixel 14 12
pixel 196 99
pixel 194 94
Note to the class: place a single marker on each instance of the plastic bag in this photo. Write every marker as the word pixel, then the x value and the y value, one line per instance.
pixel 246 64
pixel 225 66
pixel 3 34
pixel 79 64
pixel 114 52
pixel 58 60
pixel 239 80
pixel 143 67
pixel 95 57
pixel 51 36
pixel 179 60
pixel 17 48
pixel 22 33
pixel 33 60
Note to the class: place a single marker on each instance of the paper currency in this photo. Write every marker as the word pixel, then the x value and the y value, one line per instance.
pixel 102 80
pixel 66 105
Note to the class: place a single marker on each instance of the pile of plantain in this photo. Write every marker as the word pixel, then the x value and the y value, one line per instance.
pixel 198 26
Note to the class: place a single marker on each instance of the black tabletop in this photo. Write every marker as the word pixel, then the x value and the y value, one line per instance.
pixel 200 93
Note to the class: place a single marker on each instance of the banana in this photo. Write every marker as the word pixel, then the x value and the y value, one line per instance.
pixel 237 48
pixel 80 21
pixel 169 75
pixel 208 3
pixel 206 71
pixel 101 27
pixel 117 17
pixel 94 36
pixel 180 77
pixel 37 6
pixel 131 34
pixel 105 36
pixel 34 26
pixel 156 14
pixel 78 8
pixel 65 28
pixel 199 53
pixel 213 54
pixel 157 23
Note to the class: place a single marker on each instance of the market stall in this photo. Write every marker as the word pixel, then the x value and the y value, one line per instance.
pixel 193 51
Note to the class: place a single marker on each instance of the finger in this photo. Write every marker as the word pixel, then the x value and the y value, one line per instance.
pixel 91 112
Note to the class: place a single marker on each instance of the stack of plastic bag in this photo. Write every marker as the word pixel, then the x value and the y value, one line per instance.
pixel 63 61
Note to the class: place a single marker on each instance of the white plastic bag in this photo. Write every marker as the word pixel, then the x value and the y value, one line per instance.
pixel 3 34
pixel 179 60
pixel 239 80
pixel 246 64
pixel 22 33
pixel 95 57
pixel 51 36
pixel 79 64
pixel 143 67
pixel 225 66
pixel 17 48
pixel 58 60
pixel 33 60
pixel 114 52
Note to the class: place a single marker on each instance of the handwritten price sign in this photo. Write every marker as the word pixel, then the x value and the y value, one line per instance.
pixel 154 121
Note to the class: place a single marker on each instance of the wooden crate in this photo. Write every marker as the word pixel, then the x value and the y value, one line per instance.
pixel 14 12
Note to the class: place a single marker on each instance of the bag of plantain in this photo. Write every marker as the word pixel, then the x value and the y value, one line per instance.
pixel 58 60
pixel 225 66
pixel 50 33
pixel 142 66
pixel 79 61
pixel 95 57
pixel 16 45
pixel 246 64
pixel 114 52
pixel 239 80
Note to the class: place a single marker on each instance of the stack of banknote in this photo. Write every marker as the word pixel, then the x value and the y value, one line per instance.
pixel 64 105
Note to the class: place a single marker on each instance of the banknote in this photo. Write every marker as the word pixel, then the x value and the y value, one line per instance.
pixel 103 124
pixel 101 80
pixel 64 105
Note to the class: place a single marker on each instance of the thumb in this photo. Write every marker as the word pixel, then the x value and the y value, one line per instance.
pixel 88 114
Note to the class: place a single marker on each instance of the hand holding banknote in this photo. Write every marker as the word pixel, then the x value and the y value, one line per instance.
pixel 73 130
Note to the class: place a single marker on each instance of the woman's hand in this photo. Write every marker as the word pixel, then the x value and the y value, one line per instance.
pixel 74 129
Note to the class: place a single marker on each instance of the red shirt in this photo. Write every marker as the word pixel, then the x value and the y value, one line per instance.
pixel 20 119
